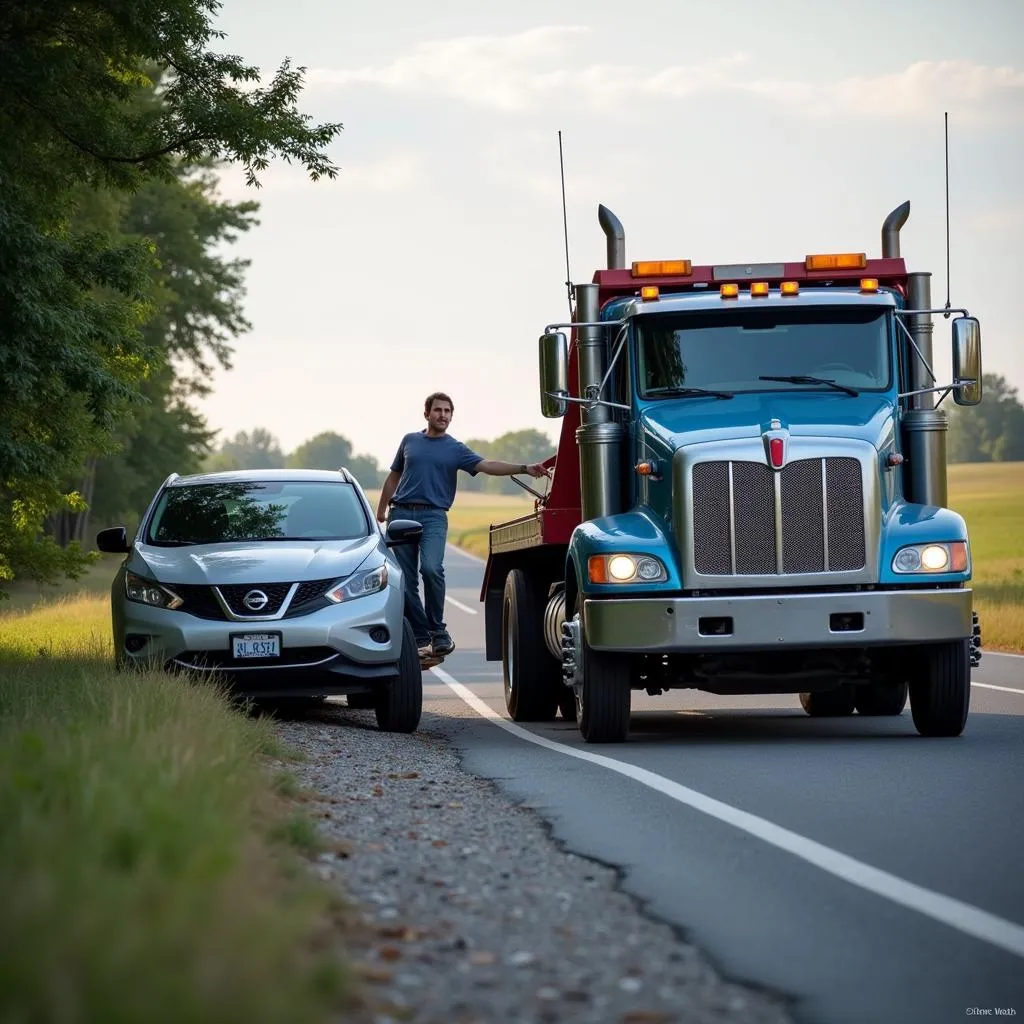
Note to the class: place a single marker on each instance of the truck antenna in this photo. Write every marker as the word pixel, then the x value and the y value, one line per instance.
pixel 946 120
pixel 565 225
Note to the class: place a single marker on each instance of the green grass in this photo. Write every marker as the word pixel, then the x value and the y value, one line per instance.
pixel 990 496
pixel 148 870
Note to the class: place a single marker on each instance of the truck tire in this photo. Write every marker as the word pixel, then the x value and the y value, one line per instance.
pixel 940 689
pixel 881 698
pixel 829 703
pixel 532 676
pixel 603 695
pixel 399 704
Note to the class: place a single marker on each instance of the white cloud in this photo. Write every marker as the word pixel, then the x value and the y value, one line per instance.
pixel 395 173
pixel 493 71
pixel 531 69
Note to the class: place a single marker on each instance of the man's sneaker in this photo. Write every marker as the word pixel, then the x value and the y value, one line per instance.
pixel 443 645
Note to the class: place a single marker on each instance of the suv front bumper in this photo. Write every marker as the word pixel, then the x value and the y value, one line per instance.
pixel 777 621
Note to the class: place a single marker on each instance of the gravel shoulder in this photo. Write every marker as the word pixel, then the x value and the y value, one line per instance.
pixel 472 913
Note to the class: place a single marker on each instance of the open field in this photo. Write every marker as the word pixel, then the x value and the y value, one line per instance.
pixel 990 496
pixel 148 869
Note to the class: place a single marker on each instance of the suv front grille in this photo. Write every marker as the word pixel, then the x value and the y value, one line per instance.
pixel 821 518
pixel 234 597
pixel 201 600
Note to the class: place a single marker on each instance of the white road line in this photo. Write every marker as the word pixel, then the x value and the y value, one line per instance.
pixel 458 604
pixel 952 912
pixel 1002 689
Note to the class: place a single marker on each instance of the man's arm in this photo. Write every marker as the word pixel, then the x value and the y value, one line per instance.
pixel 494 468
pixel 386 494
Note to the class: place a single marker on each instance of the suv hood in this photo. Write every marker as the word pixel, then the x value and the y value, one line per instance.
pixel 289 561
pixel 868 417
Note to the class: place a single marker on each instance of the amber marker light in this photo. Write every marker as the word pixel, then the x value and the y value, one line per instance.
pixel 836 261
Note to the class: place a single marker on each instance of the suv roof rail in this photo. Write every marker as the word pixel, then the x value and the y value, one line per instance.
pixel 346 475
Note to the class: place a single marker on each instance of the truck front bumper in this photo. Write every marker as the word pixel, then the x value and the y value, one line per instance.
pixel 777 621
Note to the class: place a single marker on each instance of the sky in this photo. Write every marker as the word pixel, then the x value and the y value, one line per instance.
pixel 752 131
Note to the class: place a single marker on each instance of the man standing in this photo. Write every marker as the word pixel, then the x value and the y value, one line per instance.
pixel 421 486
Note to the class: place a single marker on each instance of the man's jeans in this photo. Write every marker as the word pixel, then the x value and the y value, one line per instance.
pixel 425 558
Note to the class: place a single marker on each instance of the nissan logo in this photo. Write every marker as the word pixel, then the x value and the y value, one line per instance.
pixel 255 600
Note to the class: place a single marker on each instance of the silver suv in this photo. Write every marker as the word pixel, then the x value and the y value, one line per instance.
pixel 280 582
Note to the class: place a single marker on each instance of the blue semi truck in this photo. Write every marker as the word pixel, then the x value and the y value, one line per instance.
pixel 748 495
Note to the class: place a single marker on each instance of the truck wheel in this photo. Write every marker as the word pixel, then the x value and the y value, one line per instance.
pixel 940 689
pixel 532 676
pixel 603 694
pixel 881 698
pixel 400 703
pixel 829 703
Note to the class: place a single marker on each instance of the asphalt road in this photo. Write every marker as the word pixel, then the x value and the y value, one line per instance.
pixel 865 872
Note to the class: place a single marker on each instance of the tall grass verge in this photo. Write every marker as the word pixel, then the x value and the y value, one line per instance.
pixel 140 876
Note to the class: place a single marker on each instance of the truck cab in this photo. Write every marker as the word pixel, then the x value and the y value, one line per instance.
pixel 749 496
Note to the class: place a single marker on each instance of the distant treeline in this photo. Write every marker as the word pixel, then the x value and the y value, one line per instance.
pixel 260 449
pixel 992 431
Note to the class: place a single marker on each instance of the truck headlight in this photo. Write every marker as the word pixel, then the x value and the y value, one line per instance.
pixel 138 588
pixel 625 568
pixel 369 581
pixel 948 557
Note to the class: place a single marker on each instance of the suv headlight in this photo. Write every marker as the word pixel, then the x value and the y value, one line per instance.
pixel 949 557
pixel 138 588
pixel 625 568
pixel 369 581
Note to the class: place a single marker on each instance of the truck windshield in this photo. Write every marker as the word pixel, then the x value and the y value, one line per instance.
pixel 735 350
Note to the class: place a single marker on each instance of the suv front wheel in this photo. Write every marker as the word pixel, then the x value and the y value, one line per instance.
pixel 400 703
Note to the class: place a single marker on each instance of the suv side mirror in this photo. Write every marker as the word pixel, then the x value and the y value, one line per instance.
pixel 554 374
pixel 966 360
pixel 402 531
pixel 113 541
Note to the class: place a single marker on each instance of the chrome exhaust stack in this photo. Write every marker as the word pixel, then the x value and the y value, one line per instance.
pixel 599 437
pixel 891 231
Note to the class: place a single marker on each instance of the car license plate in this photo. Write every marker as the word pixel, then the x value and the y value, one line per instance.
pixel 256 645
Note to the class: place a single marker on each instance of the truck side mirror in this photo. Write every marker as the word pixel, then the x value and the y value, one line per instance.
pixel 554 374
pixel 966 360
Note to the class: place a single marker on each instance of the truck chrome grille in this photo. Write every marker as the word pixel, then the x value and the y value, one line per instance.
pixel 742 511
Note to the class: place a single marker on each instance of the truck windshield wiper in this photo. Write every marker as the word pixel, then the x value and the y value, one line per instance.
pixel 852 392
pixel 687 392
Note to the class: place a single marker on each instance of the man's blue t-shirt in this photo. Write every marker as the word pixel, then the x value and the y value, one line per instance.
pixel 430 468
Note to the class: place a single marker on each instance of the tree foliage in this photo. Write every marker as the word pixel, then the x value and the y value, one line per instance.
pixel 259 449
pixel 103 98
pixel 330 451
pixel 992 431
pixel 515 446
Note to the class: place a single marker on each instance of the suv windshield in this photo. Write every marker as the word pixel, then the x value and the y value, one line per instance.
pixel 258 511
pixel 735 350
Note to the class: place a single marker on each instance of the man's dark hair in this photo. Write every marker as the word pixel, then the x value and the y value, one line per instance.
pixel 437 396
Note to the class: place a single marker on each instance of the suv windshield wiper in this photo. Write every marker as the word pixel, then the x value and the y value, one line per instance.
pixel 173 543
pixel 687 392
pixel 852 392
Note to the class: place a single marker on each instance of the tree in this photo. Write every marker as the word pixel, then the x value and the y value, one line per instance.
pixel 992 431
pixel 332 451
pixel 325 451
pixel 258 450
pixel 73 354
